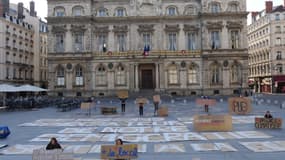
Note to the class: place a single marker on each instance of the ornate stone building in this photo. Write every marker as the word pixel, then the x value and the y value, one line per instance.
pixel 266 49
pixel 183 47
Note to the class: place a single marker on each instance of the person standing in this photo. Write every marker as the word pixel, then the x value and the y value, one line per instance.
pixel 123 105
pixel 141 108
pixel 268 115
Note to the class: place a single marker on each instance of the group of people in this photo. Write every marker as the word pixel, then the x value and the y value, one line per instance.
pixel 141 105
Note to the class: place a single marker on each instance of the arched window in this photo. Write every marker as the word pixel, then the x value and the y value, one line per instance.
pixel 215 73
pixel 215 7
pixel 120 12
pixel 233 7
pixel 120 75
pixel 59 11
pixel 236 71
pixel 101 76
pixel 79 81
pixel 171 11
pixel 172 74
pixel 190 10
pixel 193 74
pixel 102 12
pixel 60 75
pixel 77 11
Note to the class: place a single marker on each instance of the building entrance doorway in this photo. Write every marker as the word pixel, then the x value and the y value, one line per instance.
pixel 147 78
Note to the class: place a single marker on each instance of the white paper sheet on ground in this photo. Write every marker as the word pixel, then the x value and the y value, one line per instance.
pixel 225 147
pixel 77 149
pixel 203 147
pixel 82 130
pixel 21 149
pixel 253 134
pixel 169 147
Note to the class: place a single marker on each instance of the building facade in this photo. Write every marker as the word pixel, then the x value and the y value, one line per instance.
pixel 266 49
pixel 192 47
pixel 20 46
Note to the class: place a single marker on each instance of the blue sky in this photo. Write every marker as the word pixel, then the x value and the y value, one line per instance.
pixel 41 5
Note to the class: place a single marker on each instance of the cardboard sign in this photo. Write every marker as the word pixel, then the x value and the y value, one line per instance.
pixel 85 105
pixel 239 105
pixel 128 151
pixel 162 111
pixel 123 94
pixel 268 123
pixel 203 102
pixel 141 101
pixel 156 98
pixel 212 123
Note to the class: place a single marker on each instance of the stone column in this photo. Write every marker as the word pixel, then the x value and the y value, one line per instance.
pixel 136 77
pixel 157 77
pixel 68 42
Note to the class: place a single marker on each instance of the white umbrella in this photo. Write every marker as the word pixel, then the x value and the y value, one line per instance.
pixel 30 88
pixel 8 88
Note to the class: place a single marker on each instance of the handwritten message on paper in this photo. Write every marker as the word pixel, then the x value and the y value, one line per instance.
pixel 212 123
pixel 128 151
pixel 239 105
pixel 268 123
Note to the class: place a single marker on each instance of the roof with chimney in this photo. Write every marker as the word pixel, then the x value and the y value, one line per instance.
pixel 280 8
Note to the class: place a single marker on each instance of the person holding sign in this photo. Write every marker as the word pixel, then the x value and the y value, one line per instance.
pixel 156 101
pixel 117 143
pixel 53 144
pixel 268 115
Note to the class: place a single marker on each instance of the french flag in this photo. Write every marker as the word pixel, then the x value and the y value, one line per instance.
pixel 146 50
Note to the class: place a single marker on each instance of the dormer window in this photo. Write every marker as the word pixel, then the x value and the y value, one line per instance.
pixel 171 11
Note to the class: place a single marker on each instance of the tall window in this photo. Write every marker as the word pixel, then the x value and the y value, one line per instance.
pixel 59 12
pixel 215 7
pixel 147 40
pixel 59 42
pixel 60 76
pixel 7 72
pixel 193 74
pixel 101 76
pixel 191 41
pixel 279 68
pixel 102 12
pixel 171 11
pixel 102 42
pixel 78 76
pixel 121 42
pixel 277 17
pixel 234 39
pixel 279 55
pixel 173 75
pixel 215 79
pixel 278 41
pixel 236 73
pixel 172 42
pixel 233 7
pixel 278 29
pixel 120 75
pixel 77 11
pixel 120 12
pixel 78 41
pixel 215 39
pixel 191 10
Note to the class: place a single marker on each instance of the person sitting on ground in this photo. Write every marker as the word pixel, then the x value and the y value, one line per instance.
pixel 268 115
pixel 53 144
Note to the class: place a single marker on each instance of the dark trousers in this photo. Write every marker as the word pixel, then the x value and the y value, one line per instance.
pixel 141 110
pixel 206 108
pixel 155 108
pixel 123 108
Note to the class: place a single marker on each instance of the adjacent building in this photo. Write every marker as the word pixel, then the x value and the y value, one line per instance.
pixel 23 46
pixel 192 47
pixel 266 40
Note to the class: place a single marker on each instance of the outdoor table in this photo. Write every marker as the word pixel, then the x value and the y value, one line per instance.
pixel 4 131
